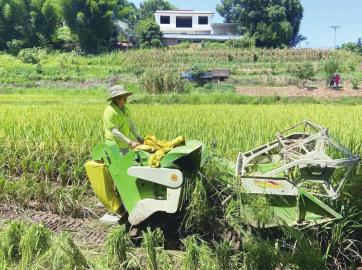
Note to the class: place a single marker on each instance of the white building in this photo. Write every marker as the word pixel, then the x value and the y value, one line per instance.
pixel 178 25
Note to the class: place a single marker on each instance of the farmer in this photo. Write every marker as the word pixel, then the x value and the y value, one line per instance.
pixel 332 81
pixel 337 79
pixel 117 121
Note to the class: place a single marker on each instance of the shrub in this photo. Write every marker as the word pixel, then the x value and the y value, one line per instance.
pixel 355 83
pixel 245 42
pixel 303 71
pixel 29 56
pixel 162 80
pixel 14 46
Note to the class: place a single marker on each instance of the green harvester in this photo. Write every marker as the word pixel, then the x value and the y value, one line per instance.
pixel 298 173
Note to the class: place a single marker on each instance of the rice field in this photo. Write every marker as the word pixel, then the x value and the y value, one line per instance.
pixel 58 133
pixel 51 117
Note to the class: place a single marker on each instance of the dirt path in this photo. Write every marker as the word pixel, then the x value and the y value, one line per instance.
pixel 294 91
pixel 86 231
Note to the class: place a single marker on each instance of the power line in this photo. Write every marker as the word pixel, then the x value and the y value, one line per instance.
pixel 335 27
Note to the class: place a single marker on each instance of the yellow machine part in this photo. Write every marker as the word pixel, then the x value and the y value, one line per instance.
pixel 159 148
pixel 103 185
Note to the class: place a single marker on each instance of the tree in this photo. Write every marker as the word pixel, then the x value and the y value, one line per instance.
pixel 127 12
pixel 149 7
pixel 29 22
pixel 273 23
pixel 149 33
pixel 91 21
pixel 353 47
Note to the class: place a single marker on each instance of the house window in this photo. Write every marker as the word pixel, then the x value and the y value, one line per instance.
pixel 183 22
pixel 165 19
pixel 203 20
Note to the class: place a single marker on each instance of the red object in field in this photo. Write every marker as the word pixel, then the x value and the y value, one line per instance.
pixel 337 79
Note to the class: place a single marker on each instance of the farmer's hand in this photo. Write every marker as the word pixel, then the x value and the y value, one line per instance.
pixel 140 140
pixel 133 144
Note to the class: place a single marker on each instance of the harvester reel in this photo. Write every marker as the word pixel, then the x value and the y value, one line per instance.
pixel 300 165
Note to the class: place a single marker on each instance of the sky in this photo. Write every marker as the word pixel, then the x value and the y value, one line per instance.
pixel 319 16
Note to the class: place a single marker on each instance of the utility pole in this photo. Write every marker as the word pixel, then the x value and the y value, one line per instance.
pixel 335 27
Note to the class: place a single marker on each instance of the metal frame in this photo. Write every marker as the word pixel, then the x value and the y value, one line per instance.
pixel 301 150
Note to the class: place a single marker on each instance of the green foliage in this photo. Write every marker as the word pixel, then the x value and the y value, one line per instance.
pixel 259 254
pixel 224 255
pixel 246 41
pixel 303 71
pixel 149 7
pixel 271 23
pixel 196 74
pixel 126 11
pixel 91 21
pixel 33 22
pixel 29 56
pixel 162 80
pixel 305 253
pixel 353 47
pixel 149 34
pixel 14 46
pixel 355 82
pixel 65 39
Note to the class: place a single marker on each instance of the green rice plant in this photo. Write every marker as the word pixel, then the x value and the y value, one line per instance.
pixel 10 241
pixel 33 244
pixel 259 254
pixel 63 254
pixel 198 255
pixel 224 255
pixel 191 258
pixel 119 247
pixel 151 241
pixel 341 240
pixel 304 252
pixel 198 209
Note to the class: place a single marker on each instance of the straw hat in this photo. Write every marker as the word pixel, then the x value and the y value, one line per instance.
pixel 118 90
